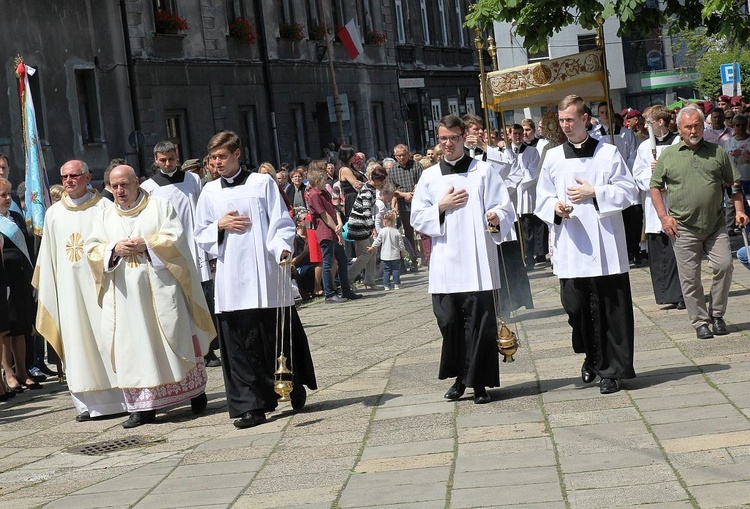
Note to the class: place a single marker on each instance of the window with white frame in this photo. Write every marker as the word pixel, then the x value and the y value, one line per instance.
pixel 443 23
pixel 470 108
pixel 88 107
pixel 460 20
pixel 400 27
pixel 177 131
pixel 299 130
pixel 453 106
pixel 425 21
pixel 437 110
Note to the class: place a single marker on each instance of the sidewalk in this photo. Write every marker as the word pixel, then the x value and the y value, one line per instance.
pixel 378 432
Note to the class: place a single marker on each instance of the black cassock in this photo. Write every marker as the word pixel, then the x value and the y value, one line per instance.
pixel 600 311
pixel 249 352
pixel 469 327
pixel 663 267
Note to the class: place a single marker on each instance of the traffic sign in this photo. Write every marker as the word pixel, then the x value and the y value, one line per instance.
pixel 730 79
pixel 136 139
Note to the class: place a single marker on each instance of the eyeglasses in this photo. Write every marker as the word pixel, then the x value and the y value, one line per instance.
pixel 73 176
pixel 452 139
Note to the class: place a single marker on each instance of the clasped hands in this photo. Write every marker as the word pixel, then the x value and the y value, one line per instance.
pixel 130 247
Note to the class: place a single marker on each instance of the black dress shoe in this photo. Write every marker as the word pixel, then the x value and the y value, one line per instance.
pixel 83 417
pixel 680 304
pixel 480 396
pixel 335 299
pixel 44 369
pixel 719 326
pixel 213 363
pixel 352 296
pixel 199 403
pixel 456 391
pixel 609 386
pixel 703 332
pixel 140 418
pixel 587 374
pixel 250 419
pixel 298 396
pixel 33 386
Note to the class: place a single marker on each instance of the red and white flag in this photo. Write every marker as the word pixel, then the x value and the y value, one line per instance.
pixel 349 35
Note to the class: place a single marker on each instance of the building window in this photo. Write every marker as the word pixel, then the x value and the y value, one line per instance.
pixel 177 131
pixel 367 12
pixel 235 9
pixel 166 5
pixel 249 136
pixel 425 21
pixel 443 23
pixel 300 131
pixel 88 106
pixel 36 95
pixel 539 55
pixel 337 13
pixel 400 27
pixel 587 42
pixel 285 10
pixel 313 15
pixel 460 21
pixel 437 111
pixel 470 108
pixel 452 106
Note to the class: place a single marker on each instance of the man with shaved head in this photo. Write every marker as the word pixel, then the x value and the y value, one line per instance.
pixel 154 313
pixel 68 314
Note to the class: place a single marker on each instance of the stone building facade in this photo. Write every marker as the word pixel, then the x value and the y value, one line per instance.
pixel 111 69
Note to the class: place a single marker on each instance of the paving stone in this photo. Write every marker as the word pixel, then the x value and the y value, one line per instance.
pixel 515 477
pixel 706 442
pixel 407 449
pixel 627 496
pixel 505 461
pixel 428 475
pixel 484 497
pixel 699 427
pixel 227 467
pixel 715 474
pixel 179 499
pixel 672 415
pixel 441 407
pixel 610 460
pixel 405 462
pixel 124 497
pixel 727 494
pixel 615 477
pixel 401 494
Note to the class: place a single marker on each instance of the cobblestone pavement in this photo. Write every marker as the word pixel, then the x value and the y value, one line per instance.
pixel 378 432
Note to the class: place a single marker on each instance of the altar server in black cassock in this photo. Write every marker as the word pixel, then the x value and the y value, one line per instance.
pixel 452 204
pixel 243 221
pixel 661 261
pixel 583 186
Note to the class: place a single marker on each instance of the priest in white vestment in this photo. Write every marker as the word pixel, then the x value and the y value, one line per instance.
pixel 68 312
pixel 453 203
pixel 154 314
pixel 243 221
pixel 584 185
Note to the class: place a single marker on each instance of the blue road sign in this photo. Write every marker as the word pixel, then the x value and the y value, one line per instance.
pixel 729 72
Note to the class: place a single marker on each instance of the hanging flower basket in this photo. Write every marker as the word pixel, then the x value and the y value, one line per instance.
pixel 169 23
pixel 292 31
pixel 242 30
pixel 374 37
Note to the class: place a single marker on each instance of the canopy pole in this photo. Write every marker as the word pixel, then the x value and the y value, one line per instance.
pixel 600 43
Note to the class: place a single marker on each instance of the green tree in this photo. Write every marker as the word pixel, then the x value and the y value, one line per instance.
pixel 709 82
pixel 537 20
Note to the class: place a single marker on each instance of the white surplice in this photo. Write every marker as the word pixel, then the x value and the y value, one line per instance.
pixel 507 164
pixel 68 312
pixel 642 175
pixel 464 255
pixel 625 141
pixel 528 162
pixel 592 242
pixel 249 277
pixel 183 195
pixel 153 305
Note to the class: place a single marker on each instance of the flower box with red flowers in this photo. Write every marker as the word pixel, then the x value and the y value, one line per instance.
pixel 374 37
pixel 169 23
pixel 292 31
pixel 242 30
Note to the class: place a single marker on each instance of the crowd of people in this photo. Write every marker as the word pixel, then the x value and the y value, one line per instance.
pixel 139 284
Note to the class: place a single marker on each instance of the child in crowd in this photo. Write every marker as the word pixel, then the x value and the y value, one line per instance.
pixel 392 246
pixel 383 204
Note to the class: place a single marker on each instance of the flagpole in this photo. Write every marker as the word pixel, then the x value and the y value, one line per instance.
pixel 600 43
pixel 331 69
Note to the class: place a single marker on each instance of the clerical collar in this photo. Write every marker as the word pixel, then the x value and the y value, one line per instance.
pixel 460 165
pixel 165 179
pixel 580 150
pixel 161 170
pixel 667 139
pixel 579 145
pixel 79 201
pixel 237 179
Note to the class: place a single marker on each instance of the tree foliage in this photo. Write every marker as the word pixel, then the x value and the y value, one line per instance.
pixel 536 21
pixel 709 82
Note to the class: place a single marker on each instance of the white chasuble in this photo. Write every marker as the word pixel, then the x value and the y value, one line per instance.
pixel 68 313
pixel 152 303
pixel 182 190
pixel 464 254
pixel 592 241
pixel 247 265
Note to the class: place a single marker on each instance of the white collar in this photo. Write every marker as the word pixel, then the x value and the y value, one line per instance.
pixel 79 201
pixel 132 205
